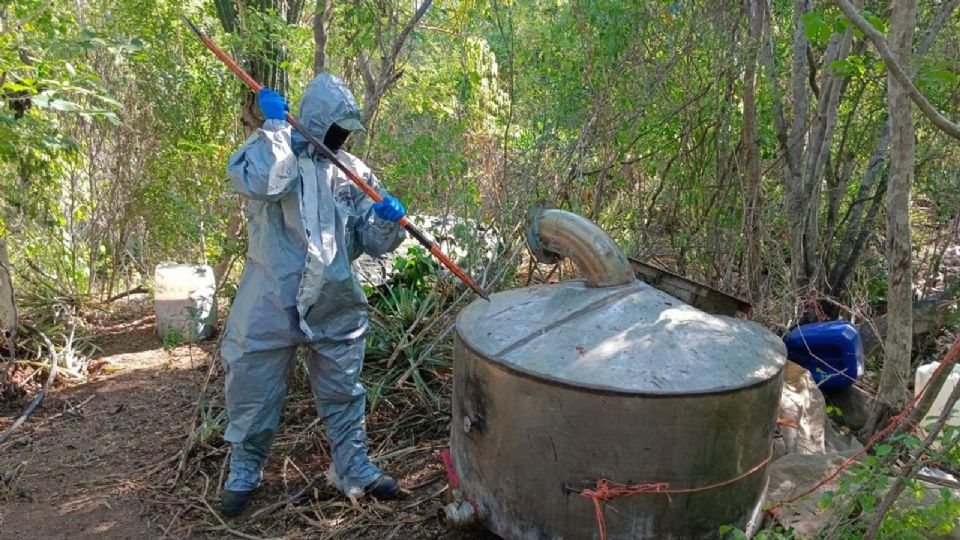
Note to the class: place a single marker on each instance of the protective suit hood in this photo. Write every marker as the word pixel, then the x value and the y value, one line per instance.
pixel 325 101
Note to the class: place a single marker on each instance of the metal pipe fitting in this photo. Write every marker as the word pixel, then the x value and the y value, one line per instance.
pixel 554 234
pixel 462 514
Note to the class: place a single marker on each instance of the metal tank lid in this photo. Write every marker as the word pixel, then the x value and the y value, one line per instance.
pixel 631 339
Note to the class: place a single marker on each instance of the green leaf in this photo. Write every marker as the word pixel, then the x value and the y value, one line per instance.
pixel 64 105
pixel 15 87
pixel 875 21
pixel 941 76
pixel 841 67
pixel 826 499
pixel 815 28
pixel 110 101
pixel 42 99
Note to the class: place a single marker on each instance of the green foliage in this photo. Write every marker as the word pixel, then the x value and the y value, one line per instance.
pixel 212 424
pixel 833 410
pixel 116 124
pixel 728 532
pixel 414 270
pixel 172 339
pixel 402 344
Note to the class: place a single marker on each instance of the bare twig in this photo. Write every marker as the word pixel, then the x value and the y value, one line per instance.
pixel 54 360
pixel 267 510
pixel 192 437
pixel 912 467
pixel 139 289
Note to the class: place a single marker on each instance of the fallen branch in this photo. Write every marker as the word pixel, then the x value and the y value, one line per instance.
pixel 938 481
pixel 40 395
pixel 139 289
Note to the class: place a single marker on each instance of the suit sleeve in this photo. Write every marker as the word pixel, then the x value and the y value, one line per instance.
pixel 265 167
pixel 375 235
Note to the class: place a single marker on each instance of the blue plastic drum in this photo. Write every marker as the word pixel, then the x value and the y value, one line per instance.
pixel 831 351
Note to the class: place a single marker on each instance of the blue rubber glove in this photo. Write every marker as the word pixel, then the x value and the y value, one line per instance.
pixel 390 209
pixel 272 104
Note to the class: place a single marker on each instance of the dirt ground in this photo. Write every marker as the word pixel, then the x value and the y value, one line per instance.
pixel 87 463
pixel 73 469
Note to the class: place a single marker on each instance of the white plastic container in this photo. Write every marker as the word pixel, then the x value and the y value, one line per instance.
pixel 924 373
pixel 184 302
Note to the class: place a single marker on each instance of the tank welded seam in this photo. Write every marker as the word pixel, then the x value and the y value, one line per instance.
pixel 593 306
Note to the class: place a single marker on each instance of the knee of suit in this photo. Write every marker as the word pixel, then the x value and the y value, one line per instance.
pixel 337 391
pixel 253 448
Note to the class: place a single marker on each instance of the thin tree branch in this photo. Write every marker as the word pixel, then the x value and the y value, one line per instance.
pixel 937 21
pixel 879 43
pixel 391 60
pixel 913 467
pixel 54 360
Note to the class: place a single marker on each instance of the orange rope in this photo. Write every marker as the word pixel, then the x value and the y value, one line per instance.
pixel 605 491
pixel 787 422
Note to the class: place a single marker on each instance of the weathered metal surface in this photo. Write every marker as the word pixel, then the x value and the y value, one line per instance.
pixel 522 442
pixel 555 234
pixel 558 386
pixel 632 339
pixel 696 294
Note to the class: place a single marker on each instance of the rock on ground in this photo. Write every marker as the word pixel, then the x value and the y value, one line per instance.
pixel 472 245
pixel 854 404
pixel 793 474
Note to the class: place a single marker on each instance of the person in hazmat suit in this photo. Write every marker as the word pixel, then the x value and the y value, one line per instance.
pixel 306 223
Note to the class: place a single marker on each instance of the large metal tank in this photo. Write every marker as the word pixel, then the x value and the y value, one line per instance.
pixel 557 386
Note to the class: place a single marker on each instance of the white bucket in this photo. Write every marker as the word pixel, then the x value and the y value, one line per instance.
pixel 184 302
pixel 924 373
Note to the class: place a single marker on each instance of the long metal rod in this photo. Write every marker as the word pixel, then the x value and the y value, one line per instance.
pixel 354 177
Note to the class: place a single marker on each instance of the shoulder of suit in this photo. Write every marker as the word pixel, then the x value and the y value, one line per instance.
pixel 355 163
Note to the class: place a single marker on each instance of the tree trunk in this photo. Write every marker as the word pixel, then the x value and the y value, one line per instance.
pixel 321 14
pixel 751 153
pixel 265 65
pixel 797 200
pixel 860 226
pixel 896 366
pixel 8 306
pixel 806 141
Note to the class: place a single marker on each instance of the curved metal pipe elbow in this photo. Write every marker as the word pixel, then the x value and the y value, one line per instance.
pixel 555 234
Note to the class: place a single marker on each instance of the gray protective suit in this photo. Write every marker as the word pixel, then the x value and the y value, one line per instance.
pixel 306 222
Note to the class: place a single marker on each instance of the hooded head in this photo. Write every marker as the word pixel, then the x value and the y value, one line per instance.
pixel 327 101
